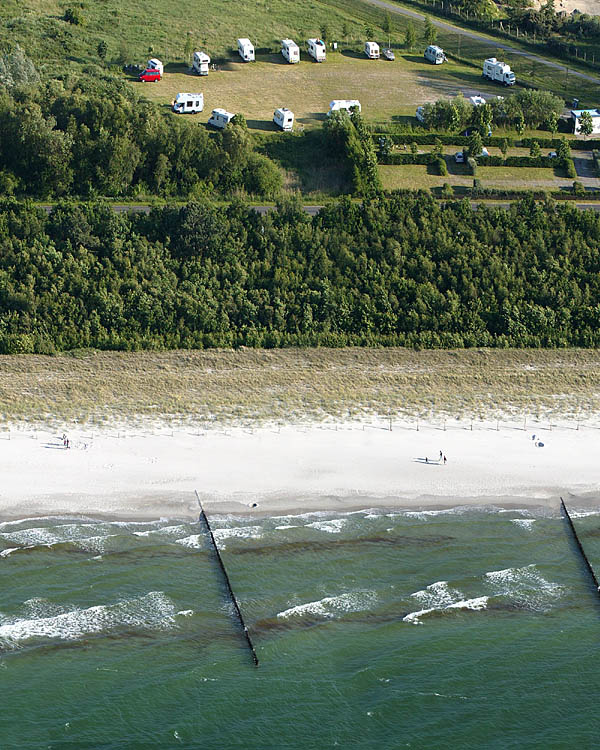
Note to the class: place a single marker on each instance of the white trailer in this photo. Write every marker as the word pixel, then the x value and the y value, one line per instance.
pixel 185 104
pixel 347 105
pixel 284 118
pixel 498 71
pixel 220 118
pixel 246 50
pixel 154 64
pixel 201 63
pixel 316 49
pixel 290 50
pixel 435 54
pixel 372 50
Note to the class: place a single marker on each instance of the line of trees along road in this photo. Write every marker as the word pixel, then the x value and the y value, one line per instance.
pixel 401 270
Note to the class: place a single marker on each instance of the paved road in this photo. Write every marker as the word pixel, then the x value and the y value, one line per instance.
pixel 392 8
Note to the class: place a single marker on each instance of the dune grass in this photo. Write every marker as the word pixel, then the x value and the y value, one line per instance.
pixel 255 386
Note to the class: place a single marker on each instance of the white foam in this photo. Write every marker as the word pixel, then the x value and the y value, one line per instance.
pixel 478 603
pixel 414 618
pixel 185 612
pixel 332 606
pixel 194 541
pixel 154 611
pixel 282 528
pixel 332 526
pixel 524 586
pixel 241 532
pixel 439 597
pixel 524 523
pixel 169 530
pixel 6 552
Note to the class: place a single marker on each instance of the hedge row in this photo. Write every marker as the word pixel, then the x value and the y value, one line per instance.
pixel 398 159
pixel 447 139
pixel 596 158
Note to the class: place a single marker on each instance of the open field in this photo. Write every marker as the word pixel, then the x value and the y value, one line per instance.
pixel 111 388
pixel 415 176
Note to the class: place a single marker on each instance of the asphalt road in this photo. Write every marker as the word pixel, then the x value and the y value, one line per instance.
pixel 392 8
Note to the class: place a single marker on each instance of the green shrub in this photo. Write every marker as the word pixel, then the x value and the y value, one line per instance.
pixel 578 188
pixel 570 168
pixel 472 166
pixel 442 169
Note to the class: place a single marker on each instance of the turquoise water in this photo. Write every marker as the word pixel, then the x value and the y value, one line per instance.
pixel 462 629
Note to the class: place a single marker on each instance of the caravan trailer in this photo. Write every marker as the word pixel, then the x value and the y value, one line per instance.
pixel 316 49
pixel 284 117
pixel 201 63
pixel 435 54
pixel 246 50
pixel 154 64
pixel 337 105
pixel 290 50
pixel 184 104
pixel 372 50
pixel 220 118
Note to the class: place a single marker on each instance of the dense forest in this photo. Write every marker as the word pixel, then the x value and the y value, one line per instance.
pixel 397 270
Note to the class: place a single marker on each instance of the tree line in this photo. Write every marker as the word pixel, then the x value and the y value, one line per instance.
pixel 401 270
pixel 88 137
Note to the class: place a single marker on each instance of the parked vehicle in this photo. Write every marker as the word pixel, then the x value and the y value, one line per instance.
pixel 246 50
pixel 459 156
pixel 188 103
pixel 290 50
pixel 388 54
pixel 498 71
pixel 220 118
pixel 150 74
pixel 201 63
pixel 337 105
pixel 420 114
pixel 435 54
pixel 372 50
pixel 477 101
pixel 316 49
pixel 284 118
pixel 155 64
pixel 553 155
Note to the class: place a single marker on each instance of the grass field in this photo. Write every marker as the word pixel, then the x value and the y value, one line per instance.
pixel 415 176
pixel 106 388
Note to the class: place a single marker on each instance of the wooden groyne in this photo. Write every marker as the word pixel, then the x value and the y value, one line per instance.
pixel 228 582
pixel 579 546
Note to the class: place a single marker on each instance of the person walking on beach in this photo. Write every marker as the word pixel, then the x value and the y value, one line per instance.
pixel 441 454
pixel 426 460
pixel 444 460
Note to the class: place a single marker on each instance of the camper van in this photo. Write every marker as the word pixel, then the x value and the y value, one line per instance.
pixel 201 63
pixel 498 71
pixel 316 49
pixel 435 54
pixel 290 50
pixel 246 50
pixel 336 105
pixel 185 104
pixel 220 118
pixel 372 50
pixel 284 118
pixel 154 64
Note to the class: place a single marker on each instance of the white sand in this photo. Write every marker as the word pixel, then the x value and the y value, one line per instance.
pixel 155 475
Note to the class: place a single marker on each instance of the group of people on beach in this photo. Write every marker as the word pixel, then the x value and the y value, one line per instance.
pixel 66 441
pixel 441 459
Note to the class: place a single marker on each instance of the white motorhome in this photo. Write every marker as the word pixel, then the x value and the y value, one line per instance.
pixel 290 50
pixel 435 54
pixel 246 50
pixel 184 104
pixel 316 49
pixel 220 118
pixel 498 71
pixel 337 105
pixel 284 118
pixel 154 64
pixel 372 50
pixel 201 63
pixel 576 119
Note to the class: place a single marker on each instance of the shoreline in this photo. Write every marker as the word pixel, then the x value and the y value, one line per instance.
pixel 293 470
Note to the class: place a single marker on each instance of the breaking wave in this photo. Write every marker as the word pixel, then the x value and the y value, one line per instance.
pixel 525 587
pixel 41 620
pixel 332 606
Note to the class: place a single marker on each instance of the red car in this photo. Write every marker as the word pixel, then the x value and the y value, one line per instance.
pixel 150 74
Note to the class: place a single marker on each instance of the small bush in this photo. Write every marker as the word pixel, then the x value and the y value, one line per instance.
pixel 477 189
pixel 578 188
pixel 73 15
pixel 472 166
pixel 447 191
pixel 570 168
pixel 442 169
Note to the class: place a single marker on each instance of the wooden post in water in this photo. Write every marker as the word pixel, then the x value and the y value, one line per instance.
pixel 227 582
pixel 578 543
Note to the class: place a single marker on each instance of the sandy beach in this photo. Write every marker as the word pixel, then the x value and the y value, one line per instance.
pixel 154 474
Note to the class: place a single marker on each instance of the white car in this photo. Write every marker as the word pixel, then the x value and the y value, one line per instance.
pixel 388 54
pixel 459 156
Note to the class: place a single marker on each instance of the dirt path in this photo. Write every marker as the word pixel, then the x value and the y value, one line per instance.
pixel 392 8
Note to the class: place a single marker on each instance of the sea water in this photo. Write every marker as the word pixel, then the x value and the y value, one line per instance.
pixel 465 628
